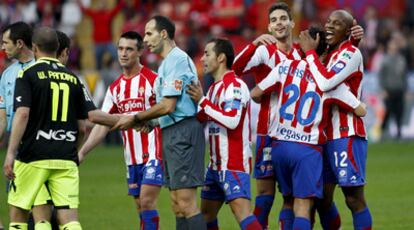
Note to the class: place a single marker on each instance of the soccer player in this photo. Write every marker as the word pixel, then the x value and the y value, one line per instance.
pixel 259 58
pixel 48 100
pixel 183 143
pixel 17 43
pixel 62 53
pixel 225 110
pixel 132 93
pixel 346 149
pixel 299 132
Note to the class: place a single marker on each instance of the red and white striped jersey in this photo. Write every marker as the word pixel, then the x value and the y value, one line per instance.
pixel 302 107
pixel 260 60
pixel 345 65
pixel 131 96
pixel 226 111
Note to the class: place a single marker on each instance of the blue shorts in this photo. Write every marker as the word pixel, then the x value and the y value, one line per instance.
pixel 226 185
pixel 263 166
pixel 345 160
pixel 298 169
pixel 150 173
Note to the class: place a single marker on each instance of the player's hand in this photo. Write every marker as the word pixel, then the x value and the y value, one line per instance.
pixel 8 167
pixel 144 127
pixel 307 42
pixel 81 157
pixel 264 39
pixel 124 122
pixel 357 32
pixel 195 91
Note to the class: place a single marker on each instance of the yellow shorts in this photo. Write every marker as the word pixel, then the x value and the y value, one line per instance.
pixel 61 183
pixel 42 197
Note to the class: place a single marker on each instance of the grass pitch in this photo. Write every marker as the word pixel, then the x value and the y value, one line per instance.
pixel 106 205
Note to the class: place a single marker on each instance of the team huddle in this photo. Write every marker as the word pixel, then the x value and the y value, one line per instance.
pixel 310 132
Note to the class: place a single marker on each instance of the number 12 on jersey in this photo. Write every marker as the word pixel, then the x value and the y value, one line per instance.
pixel 56 88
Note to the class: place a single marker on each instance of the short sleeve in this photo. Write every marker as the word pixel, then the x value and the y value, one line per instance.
pixel 22 91
pixel 2 93
pixel 175 77
pixel 85 102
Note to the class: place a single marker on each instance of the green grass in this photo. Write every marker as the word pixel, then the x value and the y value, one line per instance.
pixel 106 205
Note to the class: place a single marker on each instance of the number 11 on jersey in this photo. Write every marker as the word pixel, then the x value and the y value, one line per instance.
pixel 56 88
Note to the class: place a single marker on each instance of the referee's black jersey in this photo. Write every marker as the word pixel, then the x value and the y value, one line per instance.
pixel 57 100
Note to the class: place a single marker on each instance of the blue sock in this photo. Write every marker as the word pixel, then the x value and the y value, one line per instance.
pixel 301 223
pixel 262 209
pixel 362 220
pixel 330 219
pixel 250 223
pixel 286 217
pixel 213 225
pixel 149 220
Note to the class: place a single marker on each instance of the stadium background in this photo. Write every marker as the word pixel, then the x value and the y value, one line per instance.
pixel 103 190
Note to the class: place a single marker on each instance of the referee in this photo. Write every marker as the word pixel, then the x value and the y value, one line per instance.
pixel 183 140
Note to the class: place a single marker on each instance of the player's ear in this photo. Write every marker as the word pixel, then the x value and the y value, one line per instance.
pixel 292 24
pixel 140 51
pixel 221 58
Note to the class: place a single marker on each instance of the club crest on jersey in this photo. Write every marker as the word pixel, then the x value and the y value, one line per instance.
pixel 339 66
pixel 141 90
pixel 237 93
pixel 346 55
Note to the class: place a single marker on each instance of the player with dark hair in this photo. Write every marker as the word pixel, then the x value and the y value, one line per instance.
pixel 259 58
pixel 225 110
pixel 183 143
pixel 62 53
pixel 133 93
pixel 298 134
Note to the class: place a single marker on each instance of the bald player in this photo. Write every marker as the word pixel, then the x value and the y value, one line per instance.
pixel 346 149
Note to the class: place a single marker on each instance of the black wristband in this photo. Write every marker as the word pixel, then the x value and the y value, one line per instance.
pixel 136 118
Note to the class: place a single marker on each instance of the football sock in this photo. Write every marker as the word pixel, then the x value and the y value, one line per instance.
pixel 213 225
pixel 15 225
pixel 197 222
pixel 301 223
pixel 73 225
pixel 149 220
pixel 43 225
pixel 181 223
pixel 330 219
pixel 250 223
pixel 362 220
pixel 262 209
pixel 286 218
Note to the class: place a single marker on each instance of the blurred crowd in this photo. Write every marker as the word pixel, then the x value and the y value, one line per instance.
pixel 388 44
